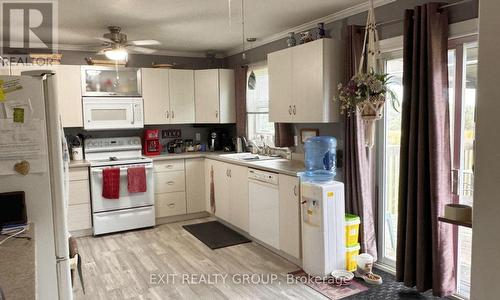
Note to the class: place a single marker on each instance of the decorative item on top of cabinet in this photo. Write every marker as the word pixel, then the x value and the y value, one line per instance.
pixel 215 96
pixel 291 41
pixel 303 82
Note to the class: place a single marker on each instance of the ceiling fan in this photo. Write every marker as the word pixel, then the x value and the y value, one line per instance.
pixel 116 44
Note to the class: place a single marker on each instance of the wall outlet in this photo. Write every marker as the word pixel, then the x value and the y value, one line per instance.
pixel 197 137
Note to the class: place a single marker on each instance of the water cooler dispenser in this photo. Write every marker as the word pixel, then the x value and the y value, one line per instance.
pixel 323 209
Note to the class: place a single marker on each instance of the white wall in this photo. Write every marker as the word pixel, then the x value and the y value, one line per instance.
pixel 486 218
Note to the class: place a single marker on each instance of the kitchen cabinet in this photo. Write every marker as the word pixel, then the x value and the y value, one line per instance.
pixel 170 188
pixel 214 92
pixel 4 69
pixel 69 95
pixel 238 193
pixel 231 192
pixel 79 214
pixel 195 185
pixel 221 182
pixel 289 216
pixel 303 82
pixel 155 94
pixel 181 83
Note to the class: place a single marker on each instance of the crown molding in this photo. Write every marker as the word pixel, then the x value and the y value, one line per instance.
pixel 88 48
pixel 343 14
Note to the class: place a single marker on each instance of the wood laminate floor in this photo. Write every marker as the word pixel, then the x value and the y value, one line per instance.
pixel 155 264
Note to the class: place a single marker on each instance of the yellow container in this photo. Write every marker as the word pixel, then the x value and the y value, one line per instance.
pixel 351 229
pixel 351 254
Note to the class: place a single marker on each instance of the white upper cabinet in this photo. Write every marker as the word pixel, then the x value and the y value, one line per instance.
pixel 303 82
pixel 214 96
pixel 279 66
pixel 155 92
pixel 69 95
pixel 181 83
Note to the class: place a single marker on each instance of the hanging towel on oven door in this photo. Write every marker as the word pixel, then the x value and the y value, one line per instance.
pixel 111 183
pixel 136 178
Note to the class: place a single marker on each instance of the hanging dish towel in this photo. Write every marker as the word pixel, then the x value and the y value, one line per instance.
pixel 111 183
pixel 136 179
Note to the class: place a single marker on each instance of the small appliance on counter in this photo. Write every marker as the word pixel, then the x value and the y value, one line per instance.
pixel 189 145
pixel 152 145
pixel 175 146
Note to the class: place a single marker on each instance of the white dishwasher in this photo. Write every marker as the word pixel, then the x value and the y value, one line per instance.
pixel 264 208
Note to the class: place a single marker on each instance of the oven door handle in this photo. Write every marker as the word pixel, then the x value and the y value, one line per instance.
pixel 121 169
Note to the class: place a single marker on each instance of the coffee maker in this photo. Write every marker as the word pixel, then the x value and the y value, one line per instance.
pixel 218 140
pixel 152 145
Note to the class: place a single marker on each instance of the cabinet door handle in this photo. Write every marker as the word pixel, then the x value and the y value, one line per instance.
pixel 171 205
pixel 295 190
pixel 172 114
pixel 170 182
pixel 216 114
pixel 294 110
pixel 230 173
pixel 290 110
pixel 168 114
pixel 169 166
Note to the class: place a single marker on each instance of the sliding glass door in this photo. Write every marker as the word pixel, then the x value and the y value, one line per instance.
pixel 462 73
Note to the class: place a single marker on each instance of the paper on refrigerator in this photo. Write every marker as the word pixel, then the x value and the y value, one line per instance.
pixel 22 141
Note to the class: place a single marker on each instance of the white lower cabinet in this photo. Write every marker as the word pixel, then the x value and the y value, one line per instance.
pixel 79 214
pixel 289 232
pixel 170 188
pixel 195 185
pixel 170 204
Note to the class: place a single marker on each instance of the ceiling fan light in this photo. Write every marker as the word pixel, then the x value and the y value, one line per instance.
pixel 116 54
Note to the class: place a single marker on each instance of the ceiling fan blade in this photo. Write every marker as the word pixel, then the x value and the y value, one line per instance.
pixel 141 49
pixel 106 40
pixel 144 42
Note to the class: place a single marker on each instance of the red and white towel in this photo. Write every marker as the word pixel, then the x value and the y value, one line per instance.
pixel 111 183
pixel 136 178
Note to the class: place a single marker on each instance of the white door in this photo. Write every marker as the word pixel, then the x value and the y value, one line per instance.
pixel 238 196
pixel 227 96
pixel 69 94
pixel 221 180
pixel 206 95
pixel 289 215
pixel 280 86
pixel 195 185
pixel 155 92
pixel 307 70
pixel 181 96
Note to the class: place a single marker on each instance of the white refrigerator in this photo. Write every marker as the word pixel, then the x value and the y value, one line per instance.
pixel 31 131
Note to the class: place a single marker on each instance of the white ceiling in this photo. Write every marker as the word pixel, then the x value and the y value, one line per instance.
pixel 194 26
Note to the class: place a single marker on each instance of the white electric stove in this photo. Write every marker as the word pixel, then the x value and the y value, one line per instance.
pixel 130 210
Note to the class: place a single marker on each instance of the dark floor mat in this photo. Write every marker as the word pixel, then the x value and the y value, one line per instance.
pixel 215 235
pixel 391 289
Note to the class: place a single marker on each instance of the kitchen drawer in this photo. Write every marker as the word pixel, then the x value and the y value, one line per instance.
pixel 170 204
pixel 79 217
pixel 79 192
pixel 78 174
pixel 168 182
pixel 169 165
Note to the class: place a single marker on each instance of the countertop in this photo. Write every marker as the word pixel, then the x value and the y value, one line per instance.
pixel 17 262
pixel 282 166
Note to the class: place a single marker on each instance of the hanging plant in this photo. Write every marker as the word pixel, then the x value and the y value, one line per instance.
pixel 366 92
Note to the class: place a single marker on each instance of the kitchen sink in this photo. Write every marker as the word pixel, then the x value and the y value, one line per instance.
pixel 248 156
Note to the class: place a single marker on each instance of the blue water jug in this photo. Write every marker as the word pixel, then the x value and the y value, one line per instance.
pixel 320 158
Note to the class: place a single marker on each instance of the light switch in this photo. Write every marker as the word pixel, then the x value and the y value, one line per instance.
pixel 198 137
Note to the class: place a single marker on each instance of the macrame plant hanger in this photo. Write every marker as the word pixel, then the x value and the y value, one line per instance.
pixel 371 109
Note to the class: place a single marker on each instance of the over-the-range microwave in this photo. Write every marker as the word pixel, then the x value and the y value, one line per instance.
pixel 104 113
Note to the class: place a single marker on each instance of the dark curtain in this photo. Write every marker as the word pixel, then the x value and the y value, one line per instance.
pixel 283 135
pixel 425 253
pixel 359 160
pixel 240 81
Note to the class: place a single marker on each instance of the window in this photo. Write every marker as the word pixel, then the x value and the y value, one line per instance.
pixel 462 76
pixel 258 126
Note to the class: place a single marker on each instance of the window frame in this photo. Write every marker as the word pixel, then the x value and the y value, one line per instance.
pixel 254 67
